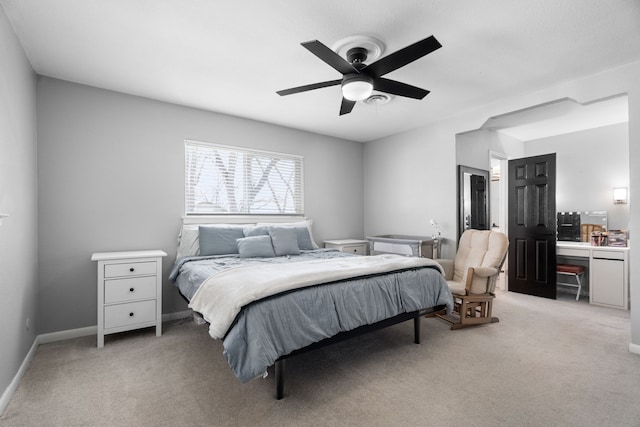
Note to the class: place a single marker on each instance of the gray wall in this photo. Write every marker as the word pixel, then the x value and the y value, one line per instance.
pixel 18 198
pixel 410 179
pixel 111 177
pixel 589 165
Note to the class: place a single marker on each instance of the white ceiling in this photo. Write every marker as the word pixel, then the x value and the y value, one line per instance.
pixel 231 57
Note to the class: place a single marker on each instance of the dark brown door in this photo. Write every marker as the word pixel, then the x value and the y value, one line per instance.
pixel 532 225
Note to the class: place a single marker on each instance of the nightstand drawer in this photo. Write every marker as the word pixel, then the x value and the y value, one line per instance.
pixel 356 249
pixel 349 246
pixel 132 313
pixel 129 289
pixel 129 269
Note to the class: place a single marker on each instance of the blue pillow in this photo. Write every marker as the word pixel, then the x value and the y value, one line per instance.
pixel 304 238
pixel 219 240
pixel 284 240
pixel 261 230
pixel 255 246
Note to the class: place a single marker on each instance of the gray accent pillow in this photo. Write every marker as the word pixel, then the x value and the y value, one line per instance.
pixel 219 240
pixel 304 238
pixel 261 230
pixel 255 246
pixel 284 240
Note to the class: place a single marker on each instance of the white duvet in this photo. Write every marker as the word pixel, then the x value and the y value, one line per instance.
pixel 221 297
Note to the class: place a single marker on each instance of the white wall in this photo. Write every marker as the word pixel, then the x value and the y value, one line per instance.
pixel 589 164
pixel 111 178
pixel 416 169
pixel 18 198
pixel 409 180
pixel 472 148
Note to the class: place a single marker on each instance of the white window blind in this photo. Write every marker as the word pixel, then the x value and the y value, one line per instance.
pixel 221 179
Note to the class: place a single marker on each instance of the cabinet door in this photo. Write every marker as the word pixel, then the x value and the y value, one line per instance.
pixel 607 282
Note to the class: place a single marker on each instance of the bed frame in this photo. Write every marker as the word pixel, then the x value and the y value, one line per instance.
pixel 279 364
pixel 403 317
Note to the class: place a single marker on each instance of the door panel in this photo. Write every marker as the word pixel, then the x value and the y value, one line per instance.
pixel 532 225
pixel 479 197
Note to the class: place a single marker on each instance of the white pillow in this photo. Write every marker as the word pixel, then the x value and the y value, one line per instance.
pixel 305 223
pixel 188 241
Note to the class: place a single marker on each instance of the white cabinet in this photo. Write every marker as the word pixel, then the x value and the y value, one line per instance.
pixel 351 246
pixel 608 271
pixel 609 278
pixel 129 291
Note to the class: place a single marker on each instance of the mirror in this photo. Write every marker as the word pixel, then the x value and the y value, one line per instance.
pixel 577 226
pixel 473 199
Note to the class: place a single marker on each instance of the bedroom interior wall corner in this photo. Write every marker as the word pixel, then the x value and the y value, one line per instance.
pixel 18 199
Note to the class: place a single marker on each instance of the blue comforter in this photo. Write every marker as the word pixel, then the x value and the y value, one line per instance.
pixel 273 327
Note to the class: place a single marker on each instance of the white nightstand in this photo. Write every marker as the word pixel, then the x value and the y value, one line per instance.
pixel 129 291
pixel 351 246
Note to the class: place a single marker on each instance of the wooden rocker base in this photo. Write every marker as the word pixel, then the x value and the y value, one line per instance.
pixel 477 313
pixel 454 320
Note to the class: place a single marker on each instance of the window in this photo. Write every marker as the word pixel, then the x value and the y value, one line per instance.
pixel 220 179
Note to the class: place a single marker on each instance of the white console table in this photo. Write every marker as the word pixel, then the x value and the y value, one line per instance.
pixel 608 271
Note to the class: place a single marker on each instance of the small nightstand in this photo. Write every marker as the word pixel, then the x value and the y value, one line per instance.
pixel 129 291
pixel 351 246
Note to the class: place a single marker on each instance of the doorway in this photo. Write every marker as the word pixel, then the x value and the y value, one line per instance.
pixel 577 132
pixel 498 205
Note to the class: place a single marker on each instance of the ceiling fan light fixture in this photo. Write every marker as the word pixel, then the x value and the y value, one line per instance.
pixel 357 87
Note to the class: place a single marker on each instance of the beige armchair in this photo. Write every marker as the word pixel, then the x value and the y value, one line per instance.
pixel 472 276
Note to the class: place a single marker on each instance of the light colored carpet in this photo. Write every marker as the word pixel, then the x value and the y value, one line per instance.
pixel 547 363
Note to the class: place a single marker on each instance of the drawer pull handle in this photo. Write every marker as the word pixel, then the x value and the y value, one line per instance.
pixel 131 289
pixel 131 314
pixel 132 269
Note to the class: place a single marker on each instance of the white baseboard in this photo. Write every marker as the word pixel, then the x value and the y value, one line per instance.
pixel 177 315
pixel 68 334
pixel 92 330
pixel 11 389
pixel 634 348
pixel 61 336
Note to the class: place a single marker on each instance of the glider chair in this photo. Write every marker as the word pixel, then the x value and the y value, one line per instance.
pixel 472 276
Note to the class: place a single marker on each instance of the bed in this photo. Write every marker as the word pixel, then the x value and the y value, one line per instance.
pixel 269 292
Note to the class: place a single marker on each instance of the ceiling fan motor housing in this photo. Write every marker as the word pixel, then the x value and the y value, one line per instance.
pixel 357 55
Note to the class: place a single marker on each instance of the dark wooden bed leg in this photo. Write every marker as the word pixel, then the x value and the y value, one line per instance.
pixel 279 379
pixel 416 329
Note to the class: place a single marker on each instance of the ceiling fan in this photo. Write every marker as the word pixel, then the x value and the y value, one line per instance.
pixel 359 79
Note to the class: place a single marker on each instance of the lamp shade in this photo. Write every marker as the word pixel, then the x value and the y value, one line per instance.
pixel 619 195
pixel 357 87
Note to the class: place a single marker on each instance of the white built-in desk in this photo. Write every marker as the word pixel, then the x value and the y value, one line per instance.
pixel 608 271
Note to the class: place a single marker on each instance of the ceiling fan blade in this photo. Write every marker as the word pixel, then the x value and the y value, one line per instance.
pixel 330 57
pixel 402 57
pixel 397 88
pixel 309 87
pixel 346 106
